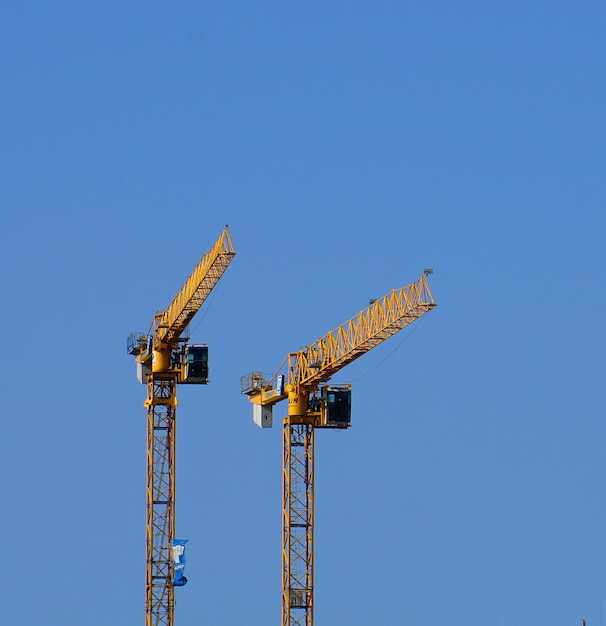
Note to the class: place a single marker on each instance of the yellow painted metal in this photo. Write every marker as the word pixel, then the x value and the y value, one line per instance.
pixel 170 324
pixel 161 406
pixel 380 320
pixel 298 521
pixel 297 403
pixel 161 360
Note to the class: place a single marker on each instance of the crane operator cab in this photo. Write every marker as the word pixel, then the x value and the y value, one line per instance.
pixel 194 364
pixel 335 406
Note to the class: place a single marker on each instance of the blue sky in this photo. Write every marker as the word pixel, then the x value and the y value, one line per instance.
pixel 349 146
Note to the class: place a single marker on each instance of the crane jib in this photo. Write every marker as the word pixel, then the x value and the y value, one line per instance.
pixel 380 320
pixel 170 324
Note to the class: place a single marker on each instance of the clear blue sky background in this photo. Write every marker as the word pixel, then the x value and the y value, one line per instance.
pixel 348 145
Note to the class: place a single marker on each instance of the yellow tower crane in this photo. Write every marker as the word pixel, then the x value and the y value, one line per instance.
pixel 311 405
pixel 164 359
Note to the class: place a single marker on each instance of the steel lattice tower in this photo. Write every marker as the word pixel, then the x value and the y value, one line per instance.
pixel 161 410
pixel 297 522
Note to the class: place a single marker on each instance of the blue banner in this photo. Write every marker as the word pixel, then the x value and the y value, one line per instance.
pixel 179 559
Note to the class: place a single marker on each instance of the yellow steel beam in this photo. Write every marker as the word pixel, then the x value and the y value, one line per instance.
pixel 380 320
pixel 169 324
pixel 161 407
pixel 298 522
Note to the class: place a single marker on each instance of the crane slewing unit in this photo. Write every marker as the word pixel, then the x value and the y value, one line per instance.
pixel 313 404
pixel 164 358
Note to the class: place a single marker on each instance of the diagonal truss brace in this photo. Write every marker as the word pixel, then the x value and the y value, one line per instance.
pixel 161 406
pixel 170 324
pixel 297 526
pixel 380 320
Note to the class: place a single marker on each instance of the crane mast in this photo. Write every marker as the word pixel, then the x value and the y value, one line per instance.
pixel 164 358
pixel 311 405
